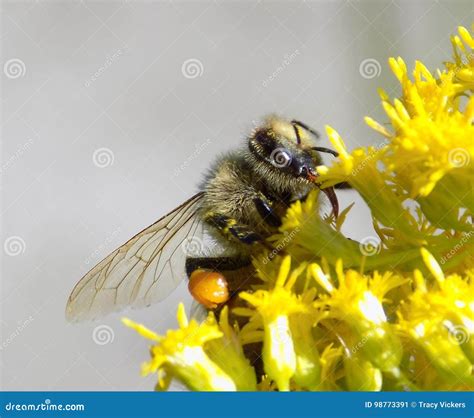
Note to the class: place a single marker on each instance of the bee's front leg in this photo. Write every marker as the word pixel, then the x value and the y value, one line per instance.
pixel 231 228
pixel 267 212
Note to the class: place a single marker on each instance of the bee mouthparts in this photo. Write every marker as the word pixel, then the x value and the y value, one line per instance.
pixel 331 194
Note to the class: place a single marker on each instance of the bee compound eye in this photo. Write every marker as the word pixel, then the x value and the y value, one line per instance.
pixel 209 288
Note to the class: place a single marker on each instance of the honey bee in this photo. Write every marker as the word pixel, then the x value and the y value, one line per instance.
pixel 241 203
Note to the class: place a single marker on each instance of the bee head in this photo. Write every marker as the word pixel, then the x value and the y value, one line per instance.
pixel 288 147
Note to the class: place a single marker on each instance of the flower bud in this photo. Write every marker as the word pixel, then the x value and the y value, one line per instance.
pixel 361 375
pixel 228 354
pixel 279 356
pixel 308 367
pixel 444 353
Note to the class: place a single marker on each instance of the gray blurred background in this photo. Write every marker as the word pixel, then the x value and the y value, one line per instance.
pixel 112 110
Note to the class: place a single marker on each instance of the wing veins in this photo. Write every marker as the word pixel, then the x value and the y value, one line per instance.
pixel 138 283
pixel 100 277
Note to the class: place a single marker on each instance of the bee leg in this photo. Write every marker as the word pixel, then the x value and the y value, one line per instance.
pixel 215 263
pixel 229 227
pixel 267 213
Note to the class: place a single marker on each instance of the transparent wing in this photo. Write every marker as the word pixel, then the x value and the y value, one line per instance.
pixel 144 270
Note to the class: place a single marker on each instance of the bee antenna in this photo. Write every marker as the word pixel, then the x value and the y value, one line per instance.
pixel 327 150
pixel 297 133
pixel 306 127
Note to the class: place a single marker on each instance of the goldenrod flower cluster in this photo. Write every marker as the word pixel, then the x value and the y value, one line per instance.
pixel 392 312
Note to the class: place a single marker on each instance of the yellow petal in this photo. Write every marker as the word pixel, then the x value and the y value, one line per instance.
pixel 141 329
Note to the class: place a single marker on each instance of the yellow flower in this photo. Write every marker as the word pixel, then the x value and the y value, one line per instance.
pixel 425 111
pixel 357 303
pixel 311 235
pixel 463 66
pixel 273 307
pixel 361 170
pixel 430 151
pixel 330 358
pixel 442 351
pixel 361 374
pixel 227 352
pixel 427 159
pixel 308 364
pixel 181 354
pixel 438 317
pixel 348 315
